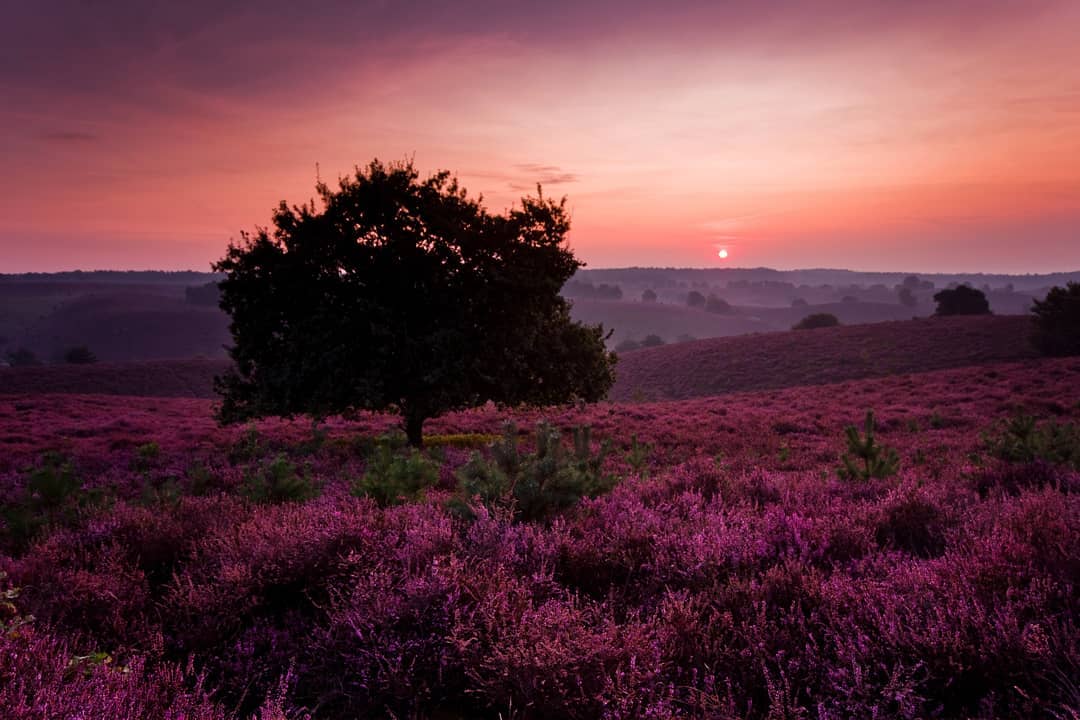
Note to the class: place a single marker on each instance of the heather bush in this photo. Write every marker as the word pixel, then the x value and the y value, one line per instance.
pixel 539 484
pixel 395 476
pixel 865 458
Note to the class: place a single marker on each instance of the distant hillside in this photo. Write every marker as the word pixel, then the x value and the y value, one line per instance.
pixel 811 357
pixel 191 378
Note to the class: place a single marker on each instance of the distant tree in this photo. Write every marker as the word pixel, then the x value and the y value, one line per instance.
pixel 911 282
pixel 648 296
pixel 718 305
pixel 1057 321
pixel 653 341
pixel 22 357
pixel 817 320
pixel 799 303
pixel 685 337
pixel 695 299
pixel 396 293
pixel 849 299
pixel 208 295
pixel 627 345
pixel 906 297
pixel 961 300
pixel 79 355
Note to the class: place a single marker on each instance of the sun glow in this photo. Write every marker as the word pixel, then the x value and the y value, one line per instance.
pixel 722 254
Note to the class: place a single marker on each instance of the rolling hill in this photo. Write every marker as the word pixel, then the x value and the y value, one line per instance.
pixel 813 357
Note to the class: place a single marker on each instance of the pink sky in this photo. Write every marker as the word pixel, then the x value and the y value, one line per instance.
pixel 873 135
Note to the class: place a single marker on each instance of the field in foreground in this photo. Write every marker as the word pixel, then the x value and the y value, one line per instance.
pixel 729 573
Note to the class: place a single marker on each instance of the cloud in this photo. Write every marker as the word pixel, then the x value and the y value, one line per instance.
pixel 543 174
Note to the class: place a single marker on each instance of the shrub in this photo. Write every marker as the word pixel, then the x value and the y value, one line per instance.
pixel 392 477
pixel 53 495
pixel 22 357
pixel 627 345
pixel 1021 439
pixel 717 305
pixel 80 355
pixel 652 341
pixel 866 459
pixel 648 296
pixel 961 300
pixel 695 299
pixel 816 320
pixel 540 484
pixel 1057 321
pixel 277 481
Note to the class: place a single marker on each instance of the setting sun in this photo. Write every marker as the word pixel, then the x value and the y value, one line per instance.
pixel 722 254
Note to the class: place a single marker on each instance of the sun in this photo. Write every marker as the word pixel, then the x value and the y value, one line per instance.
pixel 722 253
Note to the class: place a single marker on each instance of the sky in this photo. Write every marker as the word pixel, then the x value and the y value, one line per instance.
pixel 870 134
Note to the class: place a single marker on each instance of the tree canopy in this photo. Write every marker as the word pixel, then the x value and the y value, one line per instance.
pixel 400 293
pixel 961 300
pixel 1057 321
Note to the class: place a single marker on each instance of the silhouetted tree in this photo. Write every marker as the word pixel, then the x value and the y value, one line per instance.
pixel 961 300
pixel 1057 321
pixel 715 304
pixel 816 320
pixel 799 303
pixel 906 296
pixel 695 299
pixel 653 341
pixel 79 355
pixel 627 346
pixel 648 296
pixel 397 293
pixel 22 357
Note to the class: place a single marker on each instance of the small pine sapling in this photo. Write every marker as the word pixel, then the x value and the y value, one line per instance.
pixel 865 458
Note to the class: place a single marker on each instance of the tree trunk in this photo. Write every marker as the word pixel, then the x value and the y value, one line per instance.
pixel 414 428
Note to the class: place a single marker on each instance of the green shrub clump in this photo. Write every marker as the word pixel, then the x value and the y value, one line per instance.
pixel 394 474
pixel 536 485
pixel 278 481
pixel 1021 439
pixel 53 495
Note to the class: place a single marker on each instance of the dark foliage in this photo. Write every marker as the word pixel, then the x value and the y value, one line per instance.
pixel 816 320
pixel 80 355
pixel 648 296
pixel 865 458
pixel 718 305
pixel 695 299
pixel 1057 321
pixel 961 300
pixel 652 341
pixel 405 294
pixel 587 291
pixel 627 345
pixel 22 357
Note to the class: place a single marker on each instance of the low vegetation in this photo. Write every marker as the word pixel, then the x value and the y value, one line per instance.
pixel 816 320
pixel 694 559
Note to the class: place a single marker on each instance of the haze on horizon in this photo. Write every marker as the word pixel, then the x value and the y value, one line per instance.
pixel 867 134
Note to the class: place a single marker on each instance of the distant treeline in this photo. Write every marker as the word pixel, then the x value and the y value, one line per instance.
pixel 142 277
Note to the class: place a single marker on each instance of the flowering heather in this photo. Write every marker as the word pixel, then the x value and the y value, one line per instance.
pixel 730 573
